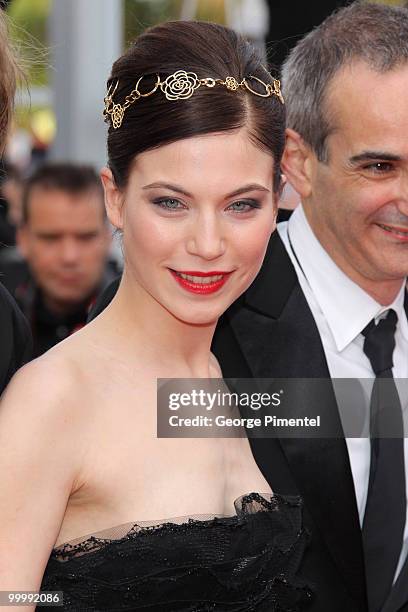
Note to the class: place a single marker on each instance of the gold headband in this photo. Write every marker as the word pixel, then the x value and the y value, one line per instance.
pixel 180 86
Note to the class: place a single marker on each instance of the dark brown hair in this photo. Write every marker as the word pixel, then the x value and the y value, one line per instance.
pixel 209 50
pixel 71 178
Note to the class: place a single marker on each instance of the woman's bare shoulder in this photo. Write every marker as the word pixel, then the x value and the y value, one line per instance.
pixel 52 380
pixel 66 378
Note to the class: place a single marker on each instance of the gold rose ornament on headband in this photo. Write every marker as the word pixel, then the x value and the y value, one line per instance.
pixel 181 85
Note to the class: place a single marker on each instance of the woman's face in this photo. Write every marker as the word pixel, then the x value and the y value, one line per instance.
pixel 196 217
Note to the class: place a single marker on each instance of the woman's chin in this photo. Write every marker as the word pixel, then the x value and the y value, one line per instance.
pixel 203 317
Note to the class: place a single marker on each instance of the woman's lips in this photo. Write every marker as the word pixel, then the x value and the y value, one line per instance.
pixel 202 283
pixel 400 233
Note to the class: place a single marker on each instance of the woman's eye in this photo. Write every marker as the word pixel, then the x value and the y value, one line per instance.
pixel 169 203
pixel 243 206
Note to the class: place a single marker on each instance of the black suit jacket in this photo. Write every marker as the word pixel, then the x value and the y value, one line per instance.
pixel 271 333
pixel 15 343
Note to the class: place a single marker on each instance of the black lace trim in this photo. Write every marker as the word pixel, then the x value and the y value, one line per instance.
pixel 241 563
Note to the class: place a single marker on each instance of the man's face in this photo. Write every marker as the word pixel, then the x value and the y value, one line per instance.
pixel 357 203
pixel 65 242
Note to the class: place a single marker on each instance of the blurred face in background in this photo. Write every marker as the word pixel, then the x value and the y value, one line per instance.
pixel 12 190
pixel 65 241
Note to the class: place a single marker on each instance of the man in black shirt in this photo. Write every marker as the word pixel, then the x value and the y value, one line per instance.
pixel 64 239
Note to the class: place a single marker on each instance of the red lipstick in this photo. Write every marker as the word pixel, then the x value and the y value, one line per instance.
pixel 201 283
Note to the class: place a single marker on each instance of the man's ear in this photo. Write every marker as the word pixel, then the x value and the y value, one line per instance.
pixel 282 185
pixel 113 198
pixel 297 162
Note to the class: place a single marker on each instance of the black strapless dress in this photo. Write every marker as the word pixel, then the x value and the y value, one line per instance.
pixel 242 563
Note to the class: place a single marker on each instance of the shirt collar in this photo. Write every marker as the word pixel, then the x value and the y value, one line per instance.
pixel 346 307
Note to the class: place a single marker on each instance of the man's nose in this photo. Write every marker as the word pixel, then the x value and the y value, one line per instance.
pixel 69 251
pixel 206 237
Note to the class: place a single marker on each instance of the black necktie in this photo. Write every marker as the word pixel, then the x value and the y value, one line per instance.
pixel 384 518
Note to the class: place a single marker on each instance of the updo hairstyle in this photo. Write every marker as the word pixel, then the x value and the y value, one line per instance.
pixel 209 50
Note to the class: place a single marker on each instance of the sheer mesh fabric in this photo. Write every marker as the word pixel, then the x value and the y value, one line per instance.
pixel 241 563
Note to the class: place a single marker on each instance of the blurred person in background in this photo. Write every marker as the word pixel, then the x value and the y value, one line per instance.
pixel 64 237
pixel 13 267
pixel 15 344
pixel 10 205
pixel 12 192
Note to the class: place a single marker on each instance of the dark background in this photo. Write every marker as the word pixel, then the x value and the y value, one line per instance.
pixel 291 20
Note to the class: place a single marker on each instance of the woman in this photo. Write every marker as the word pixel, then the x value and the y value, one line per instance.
pixel 196 132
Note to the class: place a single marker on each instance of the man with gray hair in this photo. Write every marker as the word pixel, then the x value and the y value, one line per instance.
pixel 330 301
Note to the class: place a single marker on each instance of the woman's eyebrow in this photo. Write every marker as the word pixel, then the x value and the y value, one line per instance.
pixel 165 185
pixel 245 188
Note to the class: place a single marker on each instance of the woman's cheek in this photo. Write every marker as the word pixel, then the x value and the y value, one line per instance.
pixel 257 242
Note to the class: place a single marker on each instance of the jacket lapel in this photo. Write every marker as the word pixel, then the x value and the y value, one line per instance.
pixel 287 344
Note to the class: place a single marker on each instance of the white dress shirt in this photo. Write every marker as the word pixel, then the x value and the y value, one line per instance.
pixel 341 310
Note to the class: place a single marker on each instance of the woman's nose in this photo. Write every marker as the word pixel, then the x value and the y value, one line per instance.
pixel 206 239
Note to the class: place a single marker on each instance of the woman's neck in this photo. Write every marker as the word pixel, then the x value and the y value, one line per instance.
pixel 182 349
